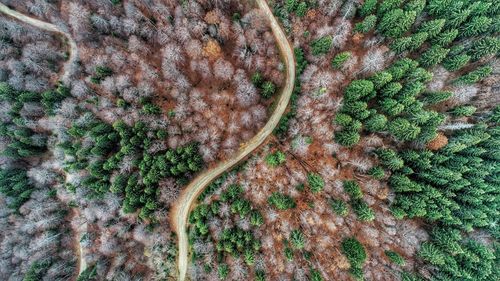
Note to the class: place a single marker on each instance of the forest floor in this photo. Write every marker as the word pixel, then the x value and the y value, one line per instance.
pixel 186 201
pixel 73 51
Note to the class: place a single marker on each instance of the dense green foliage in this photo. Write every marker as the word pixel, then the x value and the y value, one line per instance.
pixel 316 182
pixel 105 152
pixel 15 184
pixel 275 159
pixel 321 45
pixel 281 201
pixel 355 254
pixel 395 258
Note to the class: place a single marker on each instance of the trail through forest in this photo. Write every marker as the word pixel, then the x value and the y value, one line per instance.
pixel 188 197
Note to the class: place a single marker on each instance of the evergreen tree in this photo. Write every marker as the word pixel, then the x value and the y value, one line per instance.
pixel 316 182
pixel 396 22
pixel 432 28
pixel 367 25
pixel 367 8
pixel 433 56
pixel 454 63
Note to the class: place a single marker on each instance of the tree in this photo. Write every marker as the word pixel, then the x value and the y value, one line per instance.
pixel 223 271
pixel 475 26
pixel 376 123
pixel 354 251
pixel 377 173
pixel 340 59
pixel 297 239
pixel 454 63
pixel 464 110
pixel 395 258
pixel 390 159
pixel 316 182
pixel 403 130
pixel 396 22
pixel 347 137
pixel 362 210
pixel 401 44
pixel 281 201
pixel 268 89
pixel 275 159
pixel 339 207
pixel 474 76
pixel 430 253
pixel 321 45
pixel 436 97
pixel 484 47
pixel 445 37
pixel 380 79
pixel 432 27
pixel 391 106
pixel 367 8
pixel 367 25
pixel 433 56
pixel 417 40
pixel 358 89
pixel 353 189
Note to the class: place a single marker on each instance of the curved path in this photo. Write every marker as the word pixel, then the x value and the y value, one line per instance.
pixel 73 57
pixel 190 194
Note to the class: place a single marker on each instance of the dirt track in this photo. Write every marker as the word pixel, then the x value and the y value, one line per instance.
pixel 73 57
pixel 188 197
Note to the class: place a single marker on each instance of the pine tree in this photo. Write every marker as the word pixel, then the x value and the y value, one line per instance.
pixel 347 137
pixel 353 189
pixel 401 44
pixel 484 47
pixel 297 239
pixel 464 110
pixel 445 38
pixel 367 25
pixel 395 258
pixel 358 89
pixel 396 22
pixel 339 207
pixel 380 79
pixel 454 63
pixel 432 28
pixel 433 56
pixel 367 8
pixel 316 182
pixel 475 26
pixel 376 123
pixel 340 59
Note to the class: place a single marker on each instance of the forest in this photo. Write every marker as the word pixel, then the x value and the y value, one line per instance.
pixel 385 164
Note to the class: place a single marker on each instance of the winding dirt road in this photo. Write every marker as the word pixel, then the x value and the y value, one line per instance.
pixel 188 197
pixel 73 56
